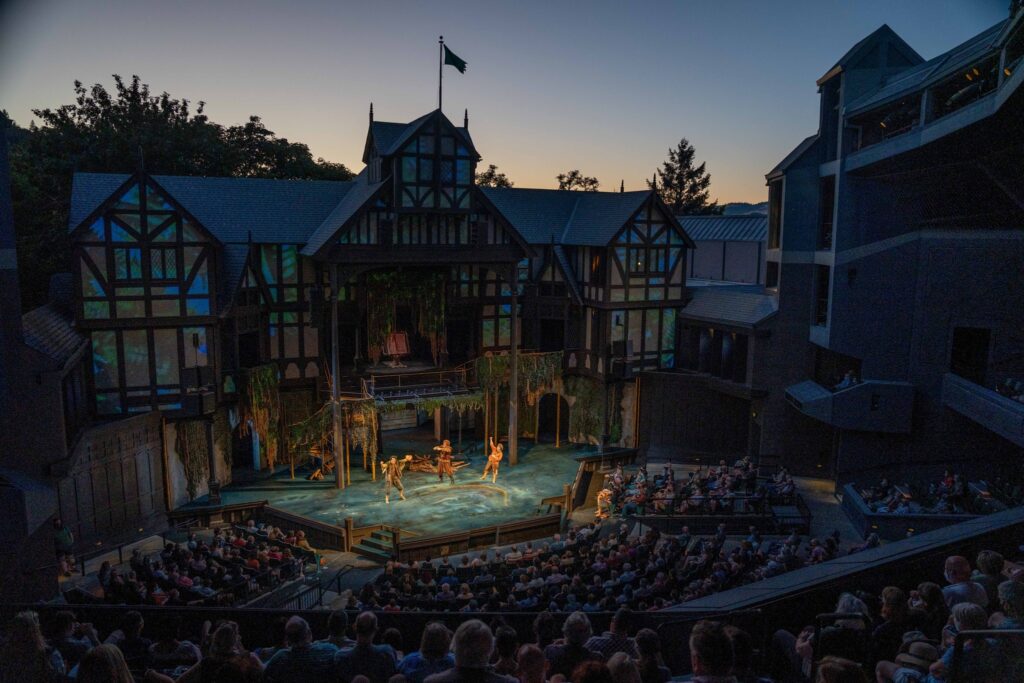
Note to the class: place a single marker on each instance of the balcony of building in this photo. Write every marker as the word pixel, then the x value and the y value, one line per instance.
pixel 865 406
pixel 1000 414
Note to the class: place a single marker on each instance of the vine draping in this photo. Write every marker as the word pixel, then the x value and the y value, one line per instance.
pixel 190 445
pixel 386 289
pixel 260 408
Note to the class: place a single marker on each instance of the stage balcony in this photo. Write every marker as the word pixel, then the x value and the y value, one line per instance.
pixel 405 386
pixel 997 413
pixel 868 406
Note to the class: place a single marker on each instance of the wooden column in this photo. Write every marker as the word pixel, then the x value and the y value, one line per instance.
pixel 558 420
pixel 513 385
pixel 337 440
pixel 487 416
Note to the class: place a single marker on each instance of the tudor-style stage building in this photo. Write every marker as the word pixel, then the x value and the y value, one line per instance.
pixel 231 273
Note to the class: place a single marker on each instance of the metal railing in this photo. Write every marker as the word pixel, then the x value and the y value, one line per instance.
pixel 415 384
pixel 313 596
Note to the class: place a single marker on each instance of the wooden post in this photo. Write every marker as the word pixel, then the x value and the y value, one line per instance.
pixel 487 415
pixel 558 420
pixel 335 392
pixel 536 420
pixel 348 457
pixel 513 387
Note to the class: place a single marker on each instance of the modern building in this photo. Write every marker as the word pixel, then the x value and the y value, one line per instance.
pixel 895 255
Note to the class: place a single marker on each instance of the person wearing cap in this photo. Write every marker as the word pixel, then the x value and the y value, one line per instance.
pixel 915 657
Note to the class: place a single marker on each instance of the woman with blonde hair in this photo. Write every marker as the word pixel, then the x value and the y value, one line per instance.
pixel 104 664
pixel 26 656
pixel 227 659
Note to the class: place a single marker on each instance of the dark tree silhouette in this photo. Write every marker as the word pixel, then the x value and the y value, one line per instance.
pixel 684 186
pixel 492 177
pixel 109 132
pixel 574 180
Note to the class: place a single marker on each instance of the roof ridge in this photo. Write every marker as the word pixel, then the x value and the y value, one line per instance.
pixel 568 221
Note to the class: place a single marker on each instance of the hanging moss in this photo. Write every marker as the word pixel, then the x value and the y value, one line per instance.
pixel 222 436
pixel 586 415
pixel 363 425
pixel 535 370
pixel 190 445
pixel 386 289
pixel 261 409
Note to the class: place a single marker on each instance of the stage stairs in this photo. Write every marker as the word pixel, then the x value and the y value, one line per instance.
pixel 377 546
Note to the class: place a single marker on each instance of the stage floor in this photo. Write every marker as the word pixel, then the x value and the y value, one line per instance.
pixel 431 507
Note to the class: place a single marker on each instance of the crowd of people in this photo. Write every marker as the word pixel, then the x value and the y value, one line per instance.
pixel 949 494
pixel 716 490
pixel 597 567
pixel 230 566
pixel 476 652
pixel 906 634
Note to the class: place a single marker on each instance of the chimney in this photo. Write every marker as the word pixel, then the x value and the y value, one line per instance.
pixel 10 293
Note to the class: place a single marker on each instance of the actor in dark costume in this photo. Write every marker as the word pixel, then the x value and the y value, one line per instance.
pixel 493 460
pixel 392 470
pixel 444 461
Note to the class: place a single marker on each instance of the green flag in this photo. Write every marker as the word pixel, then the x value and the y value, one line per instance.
pixel 453 59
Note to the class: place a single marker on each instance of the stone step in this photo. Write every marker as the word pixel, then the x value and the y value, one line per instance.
pixel 371 553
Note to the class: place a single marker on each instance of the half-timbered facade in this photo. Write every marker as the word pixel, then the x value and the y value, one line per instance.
pixel 177 272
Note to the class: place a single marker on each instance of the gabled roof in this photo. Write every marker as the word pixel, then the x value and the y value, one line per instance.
pixel 925 74
pixel 50 330
pixel 726 228
pixel 362 191
pixel 236 255
pixel 568 273
pixel 729 305
pixel 882 33
pixel 790 158
pixel 272 210
pixel 564 216
pixel 387 137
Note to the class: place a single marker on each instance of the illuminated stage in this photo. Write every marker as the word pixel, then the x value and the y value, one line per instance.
pixel 431 507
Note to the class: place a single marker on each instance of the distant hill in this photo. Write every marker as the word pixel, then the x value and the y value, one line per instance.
pixel 745 208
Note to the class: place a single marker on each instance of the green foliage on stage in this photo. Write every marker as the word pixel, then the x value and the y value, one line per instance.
pixel 190 445
pixel 424 290
pixel 536 370
pixel 260 408
pixel 222 436
pixel 587 413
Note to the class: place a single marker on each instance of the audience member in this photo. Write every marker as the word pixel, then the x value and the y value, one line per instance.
pixel 564 657
pixel 302 659
pixel 104 664
pixel 432 657
pixel 472 644
pixel 376 662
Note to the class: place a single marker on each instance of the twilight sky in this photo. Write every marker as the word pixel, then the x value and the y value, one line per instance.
pixel 603 86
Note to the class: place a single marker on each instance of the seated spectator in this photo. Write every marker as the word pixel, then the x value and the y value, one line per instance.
pixel 25 656
pixel 376 662
pixel 129 640
pixel 227 660
pixel 302 658
pixel 71 638
pixel 393 637
pixel 589 672
pixel 472 644
pixel 989 574
pixel 506 644
pixel 652 668
pixel 337 627
pixel 961 588
pixel 896 620
pixel 839 670
pixel 532 665
pixel 104 664
pixel 930 604
pixel 845 638
pixel 1010 598
pixel 710 654
pixel 172 650
pixel 742 656
pixel 912 662
pixel 432 657
pixel 564 657
pixel 623 668
pixel 980 660
pixel 616 639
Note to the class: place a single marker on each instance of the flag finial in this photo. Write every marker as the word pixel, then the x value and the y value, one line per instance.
pixel 371 112
pixel 465 119
pixel 622 186
pixel 654 181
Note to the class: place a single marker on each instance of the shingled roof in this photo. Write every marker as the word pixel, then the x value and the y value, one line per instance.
pixel 564 216
pixel 388 137
pixel 752 228
pixel 362 191
pixel 50 330
pixel 272 210
pixel 739 306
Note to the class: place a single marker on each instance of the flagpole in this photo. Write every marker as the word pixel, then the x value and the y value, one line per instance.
pixel 440 68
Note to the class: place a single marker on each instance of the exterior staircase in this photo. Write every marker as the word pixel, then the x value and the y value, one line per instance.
pixel 377 546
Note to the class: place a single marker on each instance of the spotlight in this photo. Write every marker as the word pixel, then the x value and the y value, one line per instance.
pixel 1008 71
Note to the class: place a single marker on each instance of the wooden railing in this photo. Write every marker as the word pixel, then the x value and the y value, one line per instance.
pixel 415 384
pixel 318 534
pixel 481 537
